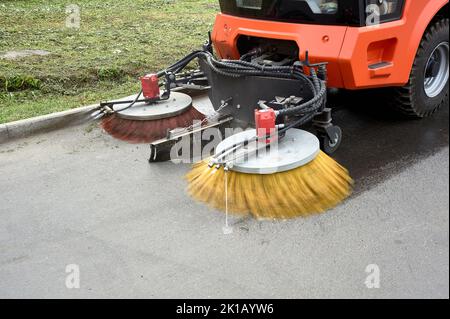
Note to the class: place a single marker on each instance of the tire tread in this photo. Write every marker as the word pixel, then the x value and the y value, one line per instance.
pixel 404 97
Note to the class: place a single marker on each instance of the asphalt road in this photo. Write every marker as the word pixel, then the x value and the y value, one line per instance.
pixel 76 196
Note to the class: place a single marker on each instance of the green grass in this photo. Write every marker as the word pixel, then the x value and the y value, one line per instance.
pixel 118 41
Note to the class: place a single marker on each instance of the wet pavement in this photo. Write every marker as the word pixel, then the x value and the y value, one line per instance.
pixel 378 142
pixel 76 196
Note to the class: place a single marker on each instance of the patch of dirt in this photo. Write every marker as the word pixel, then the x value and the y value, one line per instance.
pixel 14 55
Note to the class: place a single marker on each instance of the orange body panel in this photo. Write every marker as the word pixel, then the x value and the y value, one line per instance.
pixel 348 50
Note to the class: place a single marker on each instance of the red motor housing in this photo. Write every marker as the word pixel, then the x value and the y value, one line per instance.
pixel 150 86
pixel 265 121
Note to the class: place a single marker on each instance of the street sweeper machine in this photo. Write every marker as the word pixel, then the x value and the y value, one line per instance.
pixel 267 67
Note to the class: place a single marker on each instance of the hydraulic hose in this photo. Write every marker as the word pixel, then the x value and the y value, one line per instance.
pixel 240 68
pixel 131 104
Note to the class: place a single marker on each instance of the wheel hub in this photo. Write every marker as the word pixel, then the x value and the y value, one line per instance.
pixel 437 70
pixel 334 141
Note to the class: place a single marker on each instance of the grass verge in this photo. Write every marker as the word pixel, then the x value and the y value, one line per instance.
pixel 117 42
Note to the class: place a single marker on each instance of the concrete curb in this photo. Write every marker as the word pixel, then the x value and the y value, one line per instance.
pixel 45 123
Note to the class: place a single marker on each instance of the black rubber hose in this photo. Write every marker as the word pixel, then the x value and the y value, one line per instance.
pixel 316 85
pixel 230 71
pixel 258 66
pixel 131 104
pixel 181 64
pixel 316 100
pixel 241 65
pixel 233 68
pixel 239 68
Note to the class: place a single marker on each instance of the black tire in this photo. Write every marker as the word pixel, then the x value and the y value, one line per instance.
pixel 153 154
pixel 412 100
pixel 327 145
pixel 158 154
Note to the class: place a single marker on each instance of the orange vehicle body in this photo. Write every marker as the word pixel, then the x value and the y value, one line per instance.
pixel 352 52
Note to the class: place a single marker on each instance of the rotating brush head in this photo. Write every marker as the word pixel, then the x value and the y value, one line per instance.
pixel 146 123
pixel 141 132
pixel 300 181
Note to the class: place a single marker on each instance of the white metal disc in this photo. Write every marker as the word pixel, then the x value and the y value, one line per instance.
pixel 177 104
pixel 296 149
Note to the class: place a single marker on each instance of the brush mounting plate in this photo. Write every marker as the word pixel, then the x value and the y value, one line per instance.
pixel 177 104
pixel 296 149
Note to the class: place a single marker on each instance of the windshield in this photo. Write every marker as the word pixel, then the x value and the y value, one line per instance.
pixel 297 11
pixel 316 6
